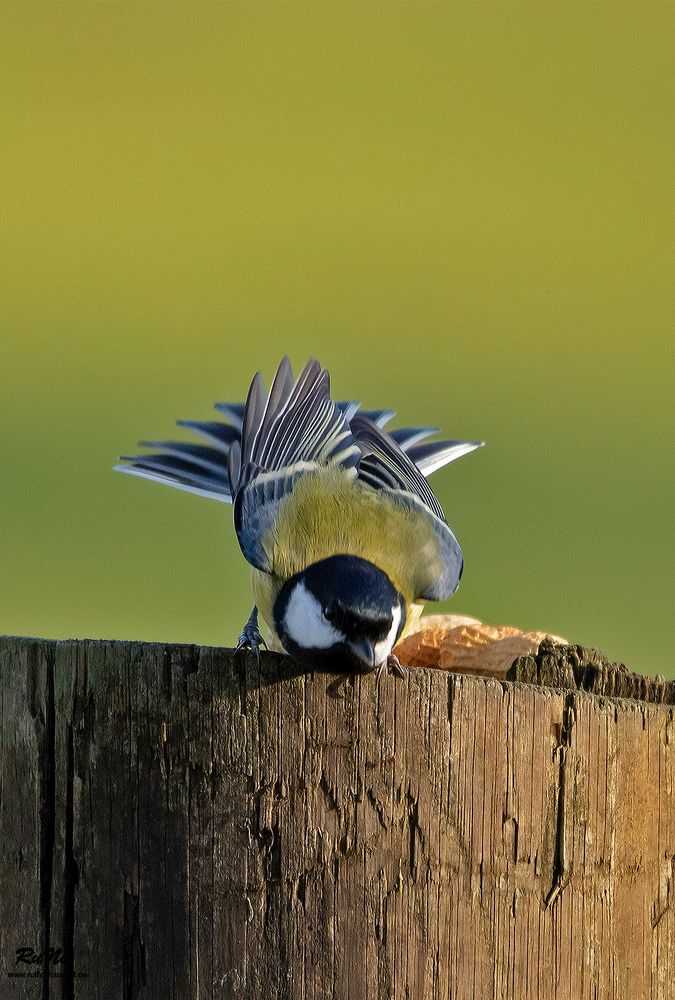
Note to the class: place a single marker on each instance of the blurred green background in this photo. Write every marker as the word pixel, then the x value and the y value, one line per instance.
pixel 465 211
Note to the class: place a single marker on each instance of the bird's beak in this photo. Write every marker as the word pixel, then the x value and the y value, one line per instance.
pixel 364 652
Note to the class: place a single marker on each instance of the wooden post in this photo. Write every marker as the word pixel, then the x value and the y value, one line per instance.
pixel 179 823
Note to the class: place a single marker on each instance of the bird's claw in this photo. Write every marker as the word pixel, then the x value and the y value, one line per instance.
pixel 251 638
pixel 392 665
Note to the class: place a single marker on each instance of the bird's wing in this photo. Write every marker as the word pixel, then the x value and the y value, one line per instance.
pixel 385 466
pixel 292 430
pixel 195 468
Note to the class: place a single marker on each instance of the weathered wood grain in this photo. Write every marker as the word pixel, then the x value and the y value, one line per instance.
pixel 185 824
pixel 577 668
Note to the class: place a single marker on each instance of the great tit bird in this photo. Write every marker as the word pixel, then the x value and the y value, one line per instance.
pixel 334 513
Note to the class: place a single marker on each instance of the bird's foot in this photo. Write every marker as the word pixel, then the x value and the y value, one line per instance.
pixel 251 636
pixel 395 667
pixel 391 665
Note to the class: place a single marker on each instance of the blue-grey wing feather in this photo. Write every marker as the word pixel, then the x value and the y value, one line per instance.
pixel 219 434
pixel 179 472
pixel 379 417
pixel 435 454
pixel 171 480
pixel 234 413
pixel 406 437
pixel 384 456
pixel 201 455
pixel 449 551
pixel 386 466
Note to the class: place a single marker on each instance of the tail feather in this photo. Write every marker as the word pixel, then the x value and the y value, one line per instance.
pixel 434 455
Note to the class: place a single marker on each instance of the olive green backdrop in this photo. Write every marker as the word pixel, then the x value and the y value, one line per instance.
pixel 464 211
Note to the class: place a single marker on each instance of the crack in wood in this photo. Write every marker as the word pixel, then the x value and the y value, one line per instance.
pixel 560 871
pixel 134 972
pixel 70 875
pixel 45 717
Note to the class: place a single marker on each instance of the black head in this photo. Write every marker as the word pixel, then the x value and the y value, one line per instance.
pixel 341 610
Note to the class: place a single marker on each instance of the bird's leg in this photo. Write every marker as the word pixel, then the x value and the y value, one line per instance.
pixel 251 637
pixel 391 665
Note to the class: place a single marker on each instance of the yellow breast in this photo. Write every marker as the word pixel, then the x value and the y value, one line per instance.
pixel 329 513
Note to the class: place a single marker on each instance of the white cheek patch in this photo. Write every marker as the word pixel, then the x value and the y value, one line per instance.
pixel 384 647
pixel 304 621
